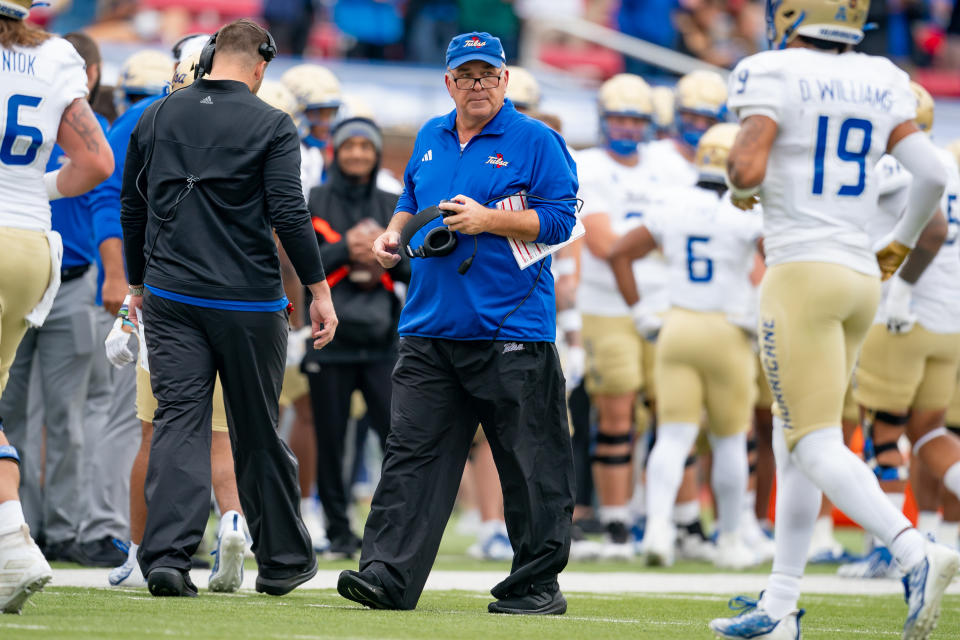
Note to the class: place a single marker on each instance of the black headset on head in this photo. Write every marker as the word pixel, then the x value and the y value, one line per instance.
pixel 267 50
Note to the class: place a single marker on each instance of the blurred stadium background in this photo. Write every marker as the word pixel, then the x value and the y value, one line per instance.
pixel 388 53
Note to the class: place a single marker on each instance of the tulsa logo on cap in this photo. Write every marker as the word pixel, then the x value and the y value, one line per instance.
pixel 475 46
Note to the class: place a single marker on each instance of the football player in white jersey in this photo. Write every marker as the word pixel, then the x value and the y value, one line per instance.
pixel 43 90
pixel 815 119
pixel 619 181
pixel 907 371
pixel 704 360
pixel 700 99
pixel 319 98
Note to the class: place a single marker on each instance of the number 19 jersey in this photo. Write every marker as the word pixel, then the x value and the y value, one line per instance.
pixel 36 85
pixel 834 114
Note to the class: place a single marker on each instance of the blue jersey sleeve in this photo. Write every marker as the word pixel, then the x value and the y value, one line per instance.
pixel 554 177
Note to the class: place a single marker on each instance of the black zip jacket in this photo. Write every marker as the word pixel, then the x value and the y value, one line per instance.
pixel 368 316
pixel 223 171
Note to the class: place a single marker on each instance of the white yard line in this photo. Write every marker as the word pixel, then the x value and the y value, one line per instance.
pixel 570 581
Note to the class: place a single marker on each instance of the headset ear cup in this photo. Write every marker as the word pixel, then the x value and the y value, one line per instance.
pixel 439 242
pixel 268 50
pixel 205 63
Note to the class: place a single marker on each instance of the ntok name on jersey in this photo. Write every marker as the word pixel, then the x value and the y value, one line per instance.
pixel 849 91
pixel 18 62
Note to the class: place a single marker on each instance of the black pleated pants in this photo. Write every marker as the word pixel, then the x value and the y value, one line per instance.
pixel 187 346
pixel 441 390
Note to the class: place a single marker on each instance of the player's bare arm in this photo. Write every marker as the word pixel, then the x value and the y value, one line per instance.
pixel 634 245
pixel 929 243
pixel 747 164
pixel 82 139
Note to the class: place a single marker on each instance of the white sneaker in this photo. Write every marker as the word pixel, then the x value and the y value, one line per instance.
pixel 693 546
pixel 227 574
pixel 23 569
pixel 586 549
pixel 924 586
pixel 128 574
pixel 659 543
pixel 469 523
pixel 494 547
pixel 754 622
pixel 826 549
pixel 310 512
pixel 879 563
pixel 733 553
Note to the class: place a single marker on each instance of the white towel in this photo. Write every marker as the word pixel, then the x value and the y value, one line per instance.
pixel 40 312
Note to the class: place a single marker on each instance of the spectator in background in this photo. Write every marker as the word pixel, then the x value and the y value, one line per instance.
pixel 349 211
pixel 493 16
pixel 649 20
pixel 289 21
pixel 375 25
pixel 429 25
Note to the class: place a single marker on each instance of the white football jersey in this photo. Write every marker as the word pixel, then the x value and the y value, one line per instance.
pixel 625 194
pixel 709 246
pixel 36 85
pixel 834 114
pixel 936 294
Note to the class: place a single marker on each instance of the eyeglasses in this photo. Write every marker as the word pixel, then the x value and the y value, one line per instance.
pixel 486 82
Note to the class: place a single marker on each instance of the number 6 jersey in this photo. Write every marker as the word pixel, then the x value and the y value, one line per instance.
pixel 834 114
pixel 36 85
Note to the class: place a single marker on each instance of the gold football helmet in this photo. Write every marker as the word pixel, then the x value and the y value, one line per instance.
pixel 183 76
pixel 314 87
pixel 278 96
pixel 523 89
pixel 145 73
pixel 713 151
pixel 626 94
pixel 701 92
pixel 833 20
pixel 924 119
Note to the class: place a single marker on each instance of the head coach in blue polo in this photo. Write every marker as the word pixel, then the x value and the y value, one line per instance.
pixel 477 343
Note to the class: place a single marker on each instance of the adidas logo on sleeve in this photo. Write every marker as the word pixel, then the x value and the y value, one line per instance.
pixel 428 156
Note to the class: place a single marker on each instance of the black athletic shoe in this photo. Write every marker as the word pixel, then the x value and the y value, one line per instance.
pixel 102 553
pixel 618 533
pixel 169 582
pixel 343 547
pixel 364 588
pixel 65 551
pixel 532 604
pixel 283 586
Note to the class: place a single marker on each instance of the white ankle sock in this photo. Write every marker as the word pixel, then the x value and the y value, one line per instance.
pixel 849 483
pixel 11 516
pixel 948 533
pixel 686 513
pixel 132 551
pixel 729 479
pixel 951 479
pixel 619 513
pixel 781 595
pixel 908 548
pixel 665 467
pixel 928 523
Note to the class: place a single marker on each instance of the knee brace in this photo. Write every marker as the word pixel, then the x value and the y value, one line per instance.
pixel 690 461
pixel 954 429
pixel 927 437
pixel 885 472
pixel 870 416
pixel 9 452
pixel 751 455
pixel 625 439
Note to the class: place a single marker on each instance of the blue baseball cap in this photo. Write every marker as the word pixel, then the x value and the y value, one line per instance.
pixel 477 45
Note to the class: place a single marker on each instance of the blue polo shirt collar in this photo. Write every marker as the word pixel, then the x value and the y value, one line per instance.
pixel 496 126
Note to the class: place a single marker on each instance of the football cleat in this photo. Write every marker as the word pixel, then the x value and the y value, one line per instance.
pixel 128 574
pixel 618 543
pixel 733 553
pixel 753 622
pixel 227 574
pixel 879 563
pixel 495 546
pixel 924 586
pixel 23 569
pixel 658 543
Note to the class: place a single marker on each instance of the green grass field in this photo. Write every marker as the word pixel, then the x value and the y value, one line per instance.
pixel 74 614
pixel 103 614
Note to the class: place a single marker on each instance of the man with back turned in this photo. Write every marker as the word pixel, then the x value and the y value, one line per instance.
pixel 476 346
pixel 211 172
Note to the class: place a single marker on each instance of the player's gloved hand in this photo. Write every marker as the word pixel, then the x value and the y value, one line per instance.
pixel 576 366
pixel 890 255
pixel 647 324
pixel 743 199
pixel 897 307
pixel 297 346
